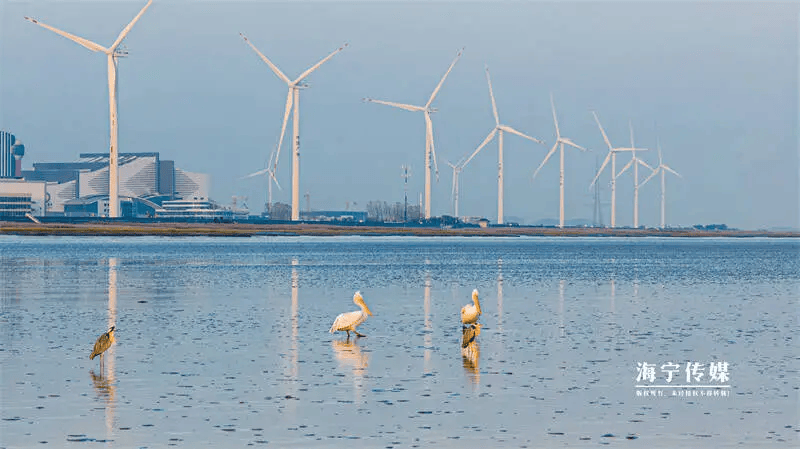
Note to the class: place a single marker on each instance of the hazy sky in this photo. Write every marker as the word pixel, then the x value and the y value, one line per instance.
pixel 717 82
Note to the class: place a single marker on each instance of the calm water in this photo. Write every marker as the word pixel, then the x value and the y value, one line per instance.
pixel 224 342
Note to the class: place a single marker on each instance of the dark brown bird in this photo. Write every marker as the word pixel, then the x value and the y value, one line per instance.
pixel 102 344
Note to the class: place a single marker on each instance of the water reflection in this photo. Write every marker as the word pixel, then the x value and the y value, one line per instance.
pixel 561 328
pixel 500 294
pixel 428 338
pixel 471 352
pixel 350 356
pixel 104 383
pixel 293 371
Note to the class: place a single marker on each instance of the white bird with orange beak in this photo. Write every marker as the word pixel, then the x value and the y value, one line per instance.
pixel 471 312
pixel 348 321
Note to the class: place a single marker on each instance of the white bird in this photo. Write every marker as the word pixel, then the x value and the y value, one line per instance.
pixel 471 312
pixel 348 321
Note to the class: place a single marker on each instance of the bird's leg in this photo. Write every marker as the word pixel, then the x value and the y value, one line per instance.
pixel 358 333
pixel 348 335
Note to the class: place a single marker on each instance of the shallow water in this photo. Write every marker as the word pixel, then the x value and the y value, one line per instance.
pixel 224 342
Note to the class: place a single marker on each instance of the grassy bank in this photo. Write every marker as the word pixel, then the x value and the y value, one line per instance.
pixel 247 230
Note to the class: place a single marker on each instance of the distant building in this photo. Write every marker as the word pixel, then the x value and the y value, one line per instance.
pixel 80 188
pixel 11 153
pixel 19 197
pixel 199 209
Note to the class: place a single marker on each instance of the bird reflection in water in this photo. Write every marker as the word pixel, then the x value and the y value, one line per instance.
pixel 350 357
pixel 471 352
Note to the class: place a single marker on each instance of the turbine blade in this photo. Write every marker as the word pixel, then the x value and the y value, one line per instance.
pixel 603 166
pixel 602 131
pixel 439 86
pixel 323 61
pixel 127 29
pixel 480 147
pixel 641 162
pixel 555 119
pixel 272 66
pixel 429 132
pixel 407 107
pixel 627 166
pixel 665 167
pixel 274 179
pixel 572 144
pixel 79 40
pixel 658 145
pixel 552 151
pixel 491 94
pixel 260 172
pixel 655 172
pixel 630 126
pixel 289 103
pixel 514 131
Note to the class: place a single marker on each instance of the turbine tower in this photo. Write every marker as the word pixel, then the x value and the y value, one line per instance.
pixel 612 155
pixel 498 130
pixel 292 99
pixel 635 161
pixel 662 168
pixel 430 150
pixel 112 54
pixel 560 142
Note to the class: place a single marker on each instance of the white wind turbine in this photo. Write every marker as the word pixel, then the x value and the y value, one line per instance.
pixel 292 99
pixel 112 54
pixel 635 161
pixel 454 191
pixel 560 142
pixel 270 179
pixel 612 155
pixel 498 129
pixel 430 150
pixel 662 168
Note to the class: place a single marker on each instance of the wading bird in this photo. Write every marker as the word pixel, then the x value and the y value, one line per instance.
pixel 469 334
pixel 348 321
pixel 471 312
pixel 102 344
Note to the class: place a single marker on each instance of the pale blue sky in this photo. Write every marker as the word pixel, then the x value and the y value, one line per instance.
pixel 716 81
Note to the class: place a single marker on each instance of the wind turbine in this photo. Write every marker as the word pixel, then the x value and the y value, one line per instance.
pixel 635 161
pixel 292 99
pixel 271 178
pixel 612 155
pixel 112 54
pixel 498 130
pixel 662 168
pixel 430 149
pixel 560 142
pixel 454 191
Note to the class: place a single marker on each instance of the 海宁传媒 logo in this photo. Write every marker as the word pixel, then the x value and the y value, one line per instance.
pixel 692 379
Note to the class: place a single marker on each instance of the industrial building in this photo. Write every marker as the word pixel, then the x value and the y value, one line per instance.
pixel 80 188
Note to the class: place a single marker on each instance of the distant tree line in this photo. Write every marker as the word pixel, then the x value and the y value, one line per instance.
pixel 711 227
pixel 382 211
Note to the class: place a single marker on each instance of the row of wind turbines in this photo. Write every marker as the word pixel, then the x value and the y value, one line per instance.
pixel 293 106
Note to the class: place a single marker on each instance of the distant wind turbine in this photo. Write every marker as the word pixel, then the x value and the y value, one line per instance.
pixel 457 167
pixel 270 179
pixel 662 168
pixel 430 150
pixel 612 155
pixel 560 142
pixel 292 98
pixel 498 130
pixel 635 161
pixel 112 54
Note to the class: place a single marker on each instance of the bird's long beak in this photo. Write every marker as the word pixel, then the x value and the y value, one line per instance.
pixel 367 309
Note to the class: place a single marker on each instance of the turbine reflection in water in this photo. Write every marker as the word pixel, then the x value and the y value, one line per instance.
pixel 500 295
pixel 350 357
pixel 104 383
pixel 293 370
pixel 428 338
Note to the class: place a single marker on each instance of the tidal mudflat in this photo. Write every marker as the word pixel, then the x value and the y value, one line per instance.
pixel 224 342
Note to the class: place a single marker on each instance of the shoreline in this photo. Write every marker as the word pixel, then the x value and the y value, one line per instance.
pixel 322 230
